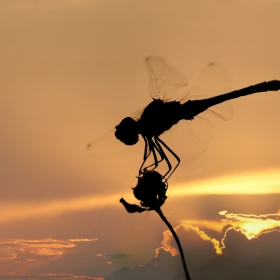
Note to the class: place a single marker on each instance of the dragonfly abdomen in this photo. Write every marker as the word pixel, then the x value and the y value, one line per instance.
pixel 194 107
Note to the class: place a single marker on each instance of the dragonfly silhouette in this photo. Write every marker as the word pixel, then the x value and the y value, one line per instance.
pixel 168 108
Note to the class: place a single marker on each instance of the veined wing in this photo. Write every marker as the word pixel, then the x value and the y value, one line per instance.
pixel 112 160
pixel 165 82
pixel 137 115
pixel 212 81
pixel 189 139
pixel 107 147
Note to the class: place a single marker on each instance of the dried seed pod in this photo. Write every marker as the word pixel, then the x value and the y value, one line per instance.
pixel 150 190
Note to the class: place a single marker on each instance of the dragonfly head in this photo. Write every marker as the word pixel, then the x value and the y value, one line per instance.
pixel 126 131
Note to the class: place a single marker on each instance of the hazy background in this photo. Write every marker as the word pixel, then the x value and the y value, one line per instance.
pixel 69 72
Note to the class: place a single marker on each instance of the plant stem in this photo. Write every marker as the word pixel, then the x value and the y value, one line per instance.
pixel 177 241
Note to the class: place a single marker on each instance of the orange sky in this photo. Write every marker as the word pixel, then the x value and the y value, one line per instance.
pixel 70 71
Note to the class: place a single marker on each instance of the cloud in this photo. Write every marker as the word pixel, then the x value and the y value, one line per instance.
pixel 242 260
pixel 111 257
pixel 9 257
pixel 28 250
pixel 157 268
pixel 82 239
pixel 252 226
pixel 47 276
pixel 245 250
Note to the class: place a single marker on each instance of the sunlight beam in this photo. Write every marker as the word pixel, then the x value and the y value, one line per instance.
pixel 20 210
pixel 261 182
pixel 265 182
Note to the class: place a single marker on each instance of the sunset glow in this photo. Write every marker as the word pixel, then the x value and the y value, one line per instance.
pixel 252 226
pixel 258 183
pixel 70 72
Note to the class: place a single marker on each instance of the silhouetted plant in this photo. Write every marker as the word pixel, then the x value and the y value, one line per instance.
pixel 151 191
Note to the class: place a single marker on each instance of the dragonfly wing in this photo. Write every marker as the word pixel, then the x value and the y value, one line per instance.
pixel 107 148
pixel 212 81
pixel 137 115
pixel 189 139
pixel 165 82
pixel 114 164
pixel 223 111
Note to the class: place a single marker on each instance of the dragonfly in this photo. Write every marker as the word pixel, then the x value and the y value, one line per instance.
pixel 173 104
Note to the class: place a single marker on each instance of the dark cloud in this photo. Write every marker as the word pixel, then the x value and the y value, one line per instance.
pixel 157 268
pixel 47 276
pixel 111 257
pixel 241 259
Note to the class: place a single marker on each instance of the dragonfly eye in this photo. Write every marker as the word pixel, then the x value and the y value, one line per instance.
pixel 126 131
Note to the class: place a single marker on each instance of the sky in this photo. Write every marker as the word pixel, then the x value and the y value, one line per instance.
pixel 70 71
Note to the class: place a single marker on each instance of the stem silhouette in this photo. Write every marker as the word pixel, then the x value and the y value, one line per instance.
pixel 177 241
pixel 151 191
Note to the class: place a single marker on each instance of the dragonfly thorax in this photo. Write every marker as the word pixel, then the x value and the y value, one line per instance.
pixel 158 117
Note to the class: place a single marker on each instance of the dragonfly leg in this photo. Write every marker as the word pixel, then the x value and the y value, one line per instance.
pixel 150 145
pixel 177 158
pixel 146 154
pixel 160 153
pixel 153 149
pixel 163 155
